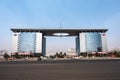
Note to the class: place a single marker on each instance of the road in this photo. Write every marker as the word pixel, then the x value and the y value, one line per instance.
pixel 61 70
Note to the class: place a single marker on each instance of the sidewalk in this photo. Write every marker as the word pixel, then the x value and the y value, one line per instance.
pixel 98 58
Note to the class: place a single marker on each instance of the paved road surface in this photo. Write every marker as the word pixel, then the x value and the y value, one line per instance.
pixel 65 70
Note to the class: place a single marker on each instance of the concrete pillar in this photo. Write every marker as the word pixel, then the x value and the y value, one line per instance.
pixel 38 46
pixel 104 42
pixel 15 41
pixel 77 45
pixel 82 39
pixel 43 46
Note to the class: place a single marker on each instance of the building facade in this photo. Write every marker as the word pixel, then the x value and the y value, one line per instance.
pixel 30 42
pixel 34 41
pixel 91 42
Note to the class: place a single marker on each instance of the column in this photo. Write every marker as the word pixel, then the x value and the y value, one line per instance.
pixel 15 42
pixel 104 42
pixel 82 39
pixel 43 46
pixel 38 43
pixel 77 45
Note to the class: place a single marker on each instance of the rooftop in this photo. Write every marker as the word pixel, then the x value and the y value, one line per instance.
pixel 50 32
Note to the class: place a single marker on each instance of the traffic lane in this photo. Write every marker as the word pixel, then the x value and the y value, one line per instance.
pixel 101 70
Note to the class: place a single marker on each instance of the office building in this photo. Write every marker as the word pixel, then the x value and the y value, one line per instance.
pixel 34 41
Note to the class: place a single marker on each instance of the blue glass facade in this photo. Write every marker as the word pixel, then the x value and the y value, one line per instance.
pixel 93 41
pixel 26 42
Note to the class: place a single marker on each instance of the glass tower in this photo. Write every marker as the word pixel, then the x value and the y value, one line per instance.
pixel 26 42
pixel 93 42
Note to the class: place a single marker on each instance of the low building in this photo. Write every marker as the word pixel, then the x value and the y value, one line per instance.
pixel 71 52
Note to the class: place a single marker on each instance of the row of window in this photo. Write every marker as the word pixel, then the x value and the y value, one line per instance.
pixel 26 42
pixel 93 42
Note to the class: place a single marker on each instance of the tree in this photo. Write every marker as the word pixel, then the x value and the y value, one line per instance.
pixel 52 57
pixel 64 54
pixel 6 56
pixel 16 55
pixel 99 49
pixel 56 55
pixel 114 53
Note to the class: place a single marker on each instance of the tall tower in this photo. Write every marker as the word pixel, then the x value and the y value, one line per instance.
pixel 29 42
pixel 91 42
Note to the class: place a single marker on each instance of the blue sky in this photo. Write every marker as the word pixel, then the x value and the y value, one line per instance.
pixel 48 13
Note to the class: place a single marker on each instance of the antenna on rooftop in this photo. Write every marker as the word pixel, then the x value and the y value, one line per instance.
pixel 60 32
pixel 60 24
pixel 60 27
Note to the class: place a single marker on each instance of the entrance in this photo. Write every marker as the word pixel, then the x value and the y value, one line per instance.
pixel 59 44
